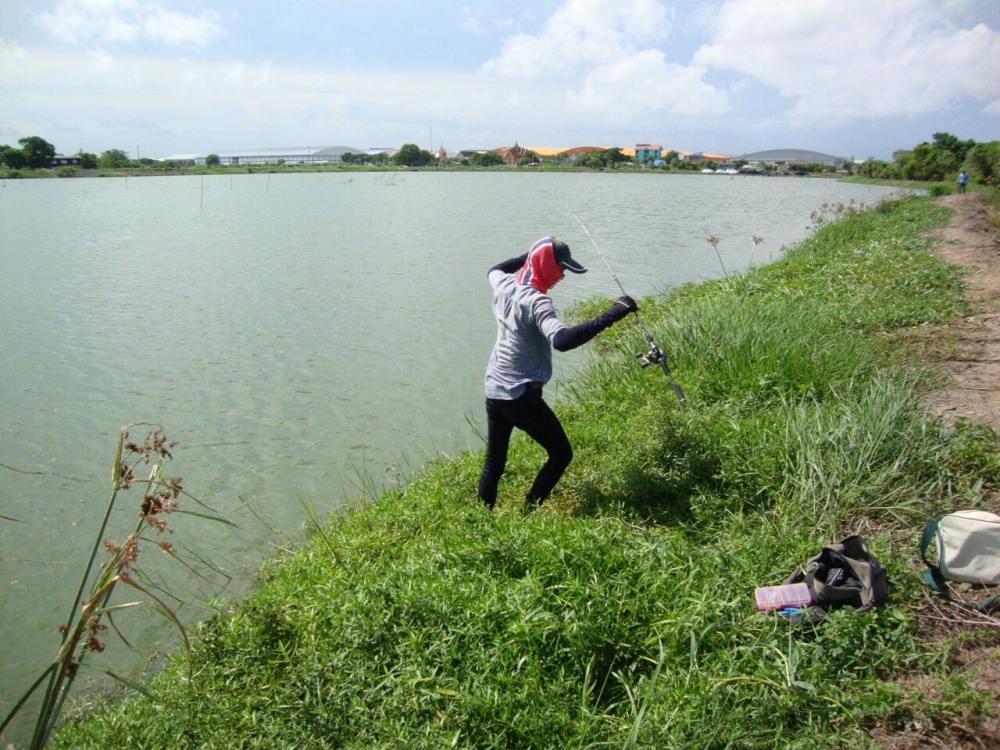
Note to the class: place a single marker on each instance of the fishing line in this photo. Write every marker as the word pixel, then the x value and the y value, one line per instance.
pixel 655 353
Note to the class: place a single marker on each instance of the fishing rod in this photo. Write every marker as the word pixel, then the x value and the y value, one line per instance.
pixel 655 353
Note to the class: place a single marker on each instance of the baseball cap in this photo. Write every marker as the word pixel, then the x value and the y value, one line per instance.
pixel 564 259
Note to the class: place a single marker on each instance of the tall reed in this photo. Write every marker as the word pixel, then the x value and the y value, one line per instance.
pixel 83 629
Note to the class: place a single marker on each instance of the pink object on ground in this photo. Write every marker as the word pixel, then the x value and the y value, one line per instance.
pixel 778 597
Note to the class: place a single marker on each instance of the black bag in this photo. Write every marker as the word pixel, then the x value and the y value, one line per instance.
pixel 844 574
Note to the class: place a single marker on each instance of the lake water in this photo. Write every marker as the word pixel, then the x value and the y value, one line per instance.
pixel 299 335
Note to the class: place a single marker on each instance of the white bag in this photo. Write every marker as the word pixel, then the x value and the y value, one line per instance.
pixel 968 546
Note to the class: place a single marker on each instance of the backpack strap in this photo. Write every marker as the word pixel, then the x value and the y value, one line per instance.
pixel 868 570
pixel 936 580
pixel 932 576
pixel 865 574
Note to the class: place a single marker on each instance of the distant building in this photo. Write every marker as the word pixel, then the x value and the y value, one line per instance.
pixel 794 156
pixel 513 154
pixel 65 161
pixel 648 152
pixel 696 157
pixel 547 150
pixel 568 153
pixel 577 151
pixel 292 155
pixel 182 158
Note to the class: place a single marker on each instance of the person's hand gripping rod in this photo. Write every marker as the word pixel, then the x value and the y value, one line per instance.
pixel 655 354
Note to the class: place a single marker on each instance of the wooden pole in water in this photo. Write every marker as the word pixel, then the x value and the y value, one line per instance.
pixel 202 203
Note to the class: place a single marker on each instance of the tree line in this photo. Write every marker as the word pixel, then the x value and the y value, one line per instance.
pixel 940 160
pixel 934 161
pixel 37 153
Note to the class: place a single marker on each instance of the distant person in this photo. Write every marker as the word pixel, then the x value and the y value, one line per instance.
pixel 963 180
pixel 521 362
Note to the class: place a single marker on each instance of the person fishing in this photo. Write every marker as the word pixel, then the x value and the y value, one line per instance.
pixel 521 362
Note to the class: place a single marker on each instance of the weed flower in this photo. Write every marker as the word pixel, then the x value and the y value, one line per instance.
pixel 714 242
pixel 80 632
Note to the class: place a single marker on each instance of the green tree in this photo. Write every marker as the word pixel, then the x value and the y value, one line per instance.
pixel 212 160
pixel 38 152
pixel 13 157
pixel 529 157
pixel 952 143
pixel 87 160
pixel 983 162
pixel 113 158
pixel 351 158
pixel 614 157
pixel 933 161
pixel 487 159
pixel 926 162
pixel 878 169
pixel 672 160
pixel 411 155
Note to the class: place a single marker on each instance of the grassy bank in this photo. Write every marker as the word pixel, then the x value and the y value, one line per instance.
pixel 620 615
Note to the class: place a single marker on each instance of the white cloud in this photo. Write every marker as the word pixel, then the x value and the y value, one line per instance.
pixel 646 83
pixel 11 53
pixel 470 22
pixel 177 29
pixel 583 33
pixel 129 21
pixel 101 60
pixel 857 59
pixel 180 105
pixel 606 55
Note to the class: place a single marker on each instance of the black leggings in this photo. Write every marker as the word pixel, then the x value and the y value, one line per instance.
pixel 531 414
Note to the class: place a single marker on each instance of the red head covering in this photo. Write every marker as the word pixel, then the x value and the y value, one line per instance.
pixel 541 269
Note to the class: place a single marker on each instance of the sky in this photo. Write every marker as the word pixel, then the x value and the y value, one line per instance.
pixel 156 78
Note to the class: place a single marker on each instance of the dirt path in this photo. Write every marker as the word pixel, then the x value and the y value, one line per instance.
pixel 968 353
pixel 970 348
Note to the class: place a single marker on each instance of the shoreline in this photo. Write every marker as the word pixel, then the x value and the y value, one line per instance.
pixel 77 173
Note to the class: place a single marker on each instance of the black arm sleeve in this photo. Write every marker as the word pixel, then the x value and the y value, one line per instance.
pixel 578 335
pixel 509 266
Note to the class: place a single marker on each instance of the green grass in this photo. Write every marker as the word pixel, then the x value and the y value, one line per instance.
pixel 620 615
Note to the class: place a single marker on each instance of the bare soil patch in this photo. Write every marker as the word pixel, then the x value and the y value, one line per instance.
pixel 971 355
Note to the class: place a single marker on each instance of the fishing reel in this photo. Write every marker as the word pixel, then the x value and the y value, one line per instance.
pixel 653 356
